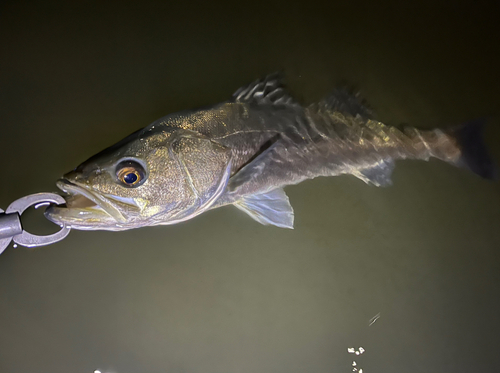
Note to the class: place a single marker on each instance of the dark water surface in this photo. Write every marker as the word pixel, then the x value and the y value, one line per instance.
pixel 221 293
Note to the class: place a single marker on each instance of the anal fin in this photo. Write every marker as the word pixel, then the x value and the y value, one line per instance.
pixel 378 174
pixel 271 208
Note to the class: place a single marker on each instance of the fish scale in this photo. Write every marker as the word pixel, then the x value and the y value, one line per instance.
pixel 243 152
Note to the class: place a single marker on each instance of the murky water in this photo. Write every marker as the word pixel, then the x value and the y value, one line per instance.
pixel 222 293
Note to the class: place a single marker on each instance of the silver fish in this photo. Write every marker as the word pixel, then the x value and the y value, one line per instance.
pixel 242 152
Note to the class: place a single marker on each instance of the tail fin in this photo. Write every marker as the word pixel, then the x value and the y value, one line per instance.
pixel 474 155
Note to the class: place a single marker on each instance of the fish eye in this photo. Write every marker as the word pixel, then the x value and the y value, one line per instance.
pixel 130 173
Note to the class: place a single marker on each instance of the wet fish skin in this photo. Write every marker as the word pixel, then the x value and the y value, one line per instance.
pixel 243 152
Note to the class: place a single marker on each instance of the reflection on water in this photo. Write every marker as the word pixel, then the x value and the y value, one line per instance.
pixel 374 319
pixel 355 366
pixel 220 293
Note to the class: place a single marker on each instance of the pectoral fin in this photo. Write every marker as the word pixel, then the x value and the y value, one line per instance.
pixel 272 208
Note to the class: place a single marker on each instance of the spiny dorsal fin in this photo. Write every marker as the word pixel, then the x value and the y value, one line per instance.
pixel 267 91
pixel 271 208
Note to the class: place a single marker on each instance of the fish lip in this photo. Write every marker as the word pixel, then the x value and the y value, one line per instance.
pixel 73 188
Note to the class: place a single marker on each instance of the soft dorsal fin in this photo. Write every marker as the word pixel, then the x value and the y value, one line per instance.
pixel 267 91
pixel 346 102
pixel 271 208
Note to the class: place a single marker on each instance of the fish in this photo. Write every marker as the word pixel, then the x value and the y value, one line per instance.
pixel 243 152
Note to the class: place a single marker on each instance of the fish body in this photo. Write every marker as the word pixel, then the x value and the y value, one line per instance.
pixel 242 152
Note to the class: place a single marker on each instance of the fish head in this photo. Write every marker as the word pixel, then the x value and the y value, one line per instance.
pixel 148 178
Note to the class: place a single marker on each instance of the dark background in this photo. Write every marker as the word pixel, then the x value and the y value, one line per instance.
pixel 221 293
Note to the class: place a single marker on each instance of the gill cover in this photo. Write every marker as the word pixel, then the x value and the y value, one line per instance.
pixel 206 166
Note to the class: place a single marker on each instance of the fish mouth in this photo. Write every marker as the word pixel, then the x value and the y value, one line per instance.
pixel 83 204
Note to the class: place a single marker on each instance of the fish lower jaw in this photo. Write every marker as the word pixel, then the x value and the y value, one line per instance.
pixel 89 218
